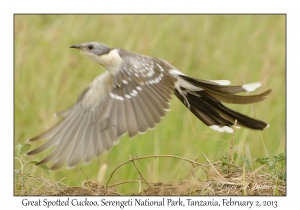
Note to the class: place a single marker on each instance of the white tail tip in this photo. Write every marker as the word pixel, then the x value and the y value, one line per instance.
pixel 251 87
pixel 221 129
pixel 221 82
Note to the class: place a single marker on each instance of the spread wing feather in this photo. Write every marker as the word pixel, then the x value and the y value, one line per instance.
pixel 131 102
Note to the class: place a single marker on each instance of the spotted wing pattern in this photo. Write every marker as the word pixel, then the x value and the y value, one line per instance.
pixel 131 102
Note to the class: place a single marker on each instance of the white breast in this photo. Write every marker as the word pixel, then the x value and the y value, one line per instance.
pixel 98 90
pixel 111 61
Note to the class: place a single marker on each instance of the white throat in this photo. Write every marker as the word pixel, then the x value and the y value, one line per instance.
pixel 111 61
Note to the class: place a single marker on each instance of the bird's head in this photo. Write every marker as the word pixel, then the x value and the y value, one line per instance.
pixel 108 57
pixel 94 50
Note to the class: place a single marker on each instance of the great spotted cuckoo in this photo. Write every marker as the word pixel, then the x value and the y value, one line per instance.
pixel 132 96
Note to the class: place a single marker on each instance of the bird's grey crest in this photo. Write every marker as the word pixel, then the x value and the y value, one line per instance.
pixel 96 48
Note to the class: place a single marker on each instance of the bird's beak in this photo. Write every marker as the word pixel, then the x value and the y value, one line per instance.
pixel 76 46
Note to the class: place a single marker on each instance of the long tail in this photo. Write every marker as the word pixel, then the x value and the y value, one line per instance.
pixel 204 98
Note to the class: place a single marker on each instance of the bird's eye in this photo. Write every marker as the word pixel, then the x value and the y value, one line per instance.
pixel 90 47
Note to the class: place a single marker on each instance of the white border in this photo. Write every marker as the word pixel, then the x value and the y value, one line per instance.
pixel 8 8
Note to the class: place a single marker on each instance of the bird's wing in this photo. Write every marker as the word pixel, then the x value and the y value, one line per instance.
pixel 132 101
pixel 142 88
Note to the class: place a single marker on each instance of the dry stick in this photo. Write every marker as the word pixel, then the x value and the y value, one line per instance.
pixel 138 171
pixel 263 143
pixel 243 181
pixel 214 168
pixel 140 185
pixel 126 182
pixel 43 182
pixel 191 172
pixel 37 188
pixel 256 170
pixel 86 178
pixel 261 137
pixel 86 188
pixel 232 141
pixel 151 156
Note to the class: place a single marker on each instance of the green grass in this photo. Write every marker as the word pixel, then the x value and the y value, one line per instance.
pixel 242 48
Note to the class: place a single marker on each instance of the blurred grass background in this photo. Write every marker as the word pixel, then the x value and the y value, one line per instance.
pixel 242 48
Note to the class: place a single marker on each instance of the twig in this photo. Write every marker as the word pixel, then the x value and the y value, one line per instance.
pixel 44 182
pixel 214 168
pixel 152 156
pixel 263 143
pixel 139 171
pixel 244 181
pixel 140 185
pixel 261 137
pixel 232 141
pixel 86 188
pixel 192 172
pixel 86 178
pixel 256 170
pixel 126 182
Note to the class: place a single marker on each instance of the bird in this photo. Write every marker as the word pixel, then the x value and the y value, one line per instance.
pixel 131 97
